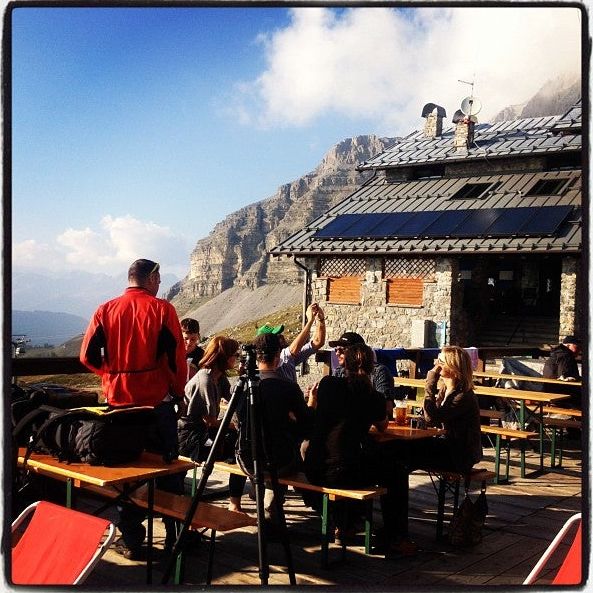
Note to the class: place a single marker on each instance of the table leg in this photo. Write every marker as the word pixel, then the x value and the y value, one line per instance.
pixel 69 493
pixel 541 437
pixel 522 424
pixel 150 516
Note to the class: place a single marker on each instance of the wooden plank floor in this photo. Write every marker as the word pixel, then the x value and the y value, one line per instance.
pixel 524 516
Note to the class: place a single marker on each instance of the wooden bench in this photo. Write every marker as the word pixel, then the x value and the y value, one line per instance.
pixel 176 506
pixel 508 435
pixel 557 426
pixel 299 482
pixel 448 481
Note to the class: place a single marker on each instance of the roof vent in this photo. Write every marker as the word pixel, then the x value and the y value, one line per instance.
pixel 434 115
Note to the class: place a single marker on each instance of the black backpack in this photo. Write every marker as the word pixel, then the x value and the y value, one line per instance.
pixel 26 398
pixel 98 436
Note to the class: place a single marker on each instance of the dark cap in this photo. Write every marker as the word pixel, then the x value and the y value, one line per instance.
pixel 347 339
pixel 571 340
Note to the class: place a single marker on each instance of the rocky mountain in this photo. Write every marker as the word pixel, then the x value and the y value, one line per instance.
pixel 553 98
pixel 234 253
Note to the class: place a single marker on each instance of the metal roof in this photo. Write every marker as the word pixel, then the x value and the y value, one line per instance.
pixel 517 139
pixel 537 135
pixel 510 190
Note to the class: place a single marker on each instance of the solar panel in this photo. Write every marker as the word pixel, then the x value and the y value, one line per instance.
pixel 499 222
pixel 392 225
pixel 337 226
pixel 545 221
pixel 416 223
pixel 445 224
pixel 363 226
pixel 509 222
pixel 477 222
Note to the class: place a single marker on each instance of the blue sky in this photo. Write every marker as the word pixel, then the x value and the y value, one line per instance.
pixel 136 130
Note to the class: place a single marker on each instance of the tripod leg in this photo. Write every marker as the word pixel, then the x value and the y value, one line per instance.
pixel 206 471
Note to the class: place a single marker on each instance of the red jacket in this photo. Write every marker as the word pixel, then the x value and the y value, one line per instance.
pixel 134 342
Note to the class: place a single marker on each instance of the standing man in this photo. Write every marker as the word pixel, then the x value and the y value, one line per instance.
pixel 134 343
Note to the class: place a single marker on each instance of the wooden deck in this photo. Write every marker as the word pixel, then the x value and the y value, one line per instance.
pixel 523 518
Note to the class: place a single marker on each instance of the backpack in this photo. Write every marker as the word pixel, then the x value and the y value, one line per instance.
pixel 26 398
pixel 98 436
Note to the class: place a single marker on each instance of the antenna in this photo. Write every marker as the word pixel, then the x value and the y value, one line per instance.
pixel 471 105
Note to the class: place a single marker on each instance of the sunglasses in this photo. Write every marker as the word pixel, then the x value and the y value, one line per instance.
pixel 339 349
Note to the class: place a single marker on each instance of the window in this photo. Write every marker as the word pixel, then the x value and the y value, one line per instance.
pixel 472 191
pixel 344 290
pixel 405 291
pixel 546 187
pixel 405 279
pixel 344 278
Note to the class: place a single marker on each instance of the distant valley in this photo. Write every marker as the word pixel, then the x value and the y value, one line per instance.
pixel 47 327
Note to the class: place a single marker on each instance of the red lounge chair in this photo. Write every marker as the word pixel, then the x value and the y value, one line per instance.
pixel 59 546
pixel 570 572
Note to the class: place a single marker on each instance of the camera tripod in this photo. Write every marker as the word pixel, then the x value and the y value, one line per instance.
pixel 261 463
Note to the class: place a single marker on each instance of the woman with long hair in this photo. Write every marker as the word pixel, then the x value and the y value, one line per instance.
pixel 340 452
pixel 199 422
pixel 450 403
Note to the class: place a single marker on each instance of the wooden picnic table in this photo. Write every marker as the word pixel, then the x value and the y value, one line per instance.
pixel 535 398
pixel 492 375
pixel 130 476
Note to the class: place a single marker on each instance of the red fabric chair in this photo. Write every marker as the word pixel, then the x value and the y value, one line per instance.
pixel 570 572
pixel 59 546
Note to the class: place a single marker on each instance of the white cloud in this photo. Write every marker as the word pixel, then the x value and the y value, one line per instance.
pixel 109 249
pixel 387 63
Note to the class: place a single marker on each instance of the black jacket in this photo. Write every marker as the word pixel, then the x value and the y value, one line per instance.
pixel 561 363
pixel 459 413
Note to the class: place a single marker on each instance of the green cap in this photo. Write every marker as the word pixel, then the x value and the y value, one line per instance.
pixel 269 329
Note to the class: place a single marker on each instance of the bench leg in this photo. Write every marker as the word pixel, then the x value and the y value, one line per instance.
pixel 324 531
pixel 553 447
pixel 497 460
pixel 368 526
pixel 211 557
pixel 441 506
pixel 560 444
pixel 508 445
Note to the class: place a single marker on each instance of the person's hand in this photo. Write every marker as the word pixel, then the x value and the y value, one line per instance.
pixel 311 393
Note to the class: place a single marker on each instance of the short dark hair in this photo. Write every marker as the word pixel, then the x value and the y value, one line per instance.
pixel 190 325
pixel 141 269
pixel 267 346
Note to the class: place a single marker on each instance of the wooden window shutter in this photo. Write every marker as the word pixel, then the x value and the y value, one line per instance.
pixel 344 290
pixel 405 291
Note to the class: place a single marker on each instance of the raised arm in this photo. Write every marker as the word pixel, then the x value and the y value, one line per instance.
pixel 297 344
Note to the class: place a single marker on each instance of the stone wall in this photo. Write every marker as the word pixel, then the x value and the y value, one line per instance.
pixel 569 298
pixel 385 325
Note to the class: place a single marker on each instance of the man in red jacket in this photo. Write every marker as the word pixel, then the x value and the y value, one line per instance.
pixel 135 344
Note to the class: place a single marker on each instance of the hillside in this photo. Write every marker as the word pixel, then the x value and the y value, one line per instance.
pixel 234 255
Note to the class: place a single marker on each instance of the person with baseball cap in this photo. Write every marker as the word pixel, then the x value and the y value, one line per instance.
pixel 562 364
pixel 299 350
pixel 380 376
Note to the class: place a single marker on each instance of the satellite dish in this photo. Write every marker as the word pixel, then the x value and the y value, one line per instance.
pixel 471 106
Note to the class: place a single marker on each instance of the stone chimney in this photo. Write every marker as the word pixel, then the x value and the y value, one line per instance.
pixel 434 115
pixel 464 130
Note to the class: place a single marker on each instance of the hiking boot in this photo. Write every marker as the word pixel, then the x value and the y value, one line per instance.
pixel 135 553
